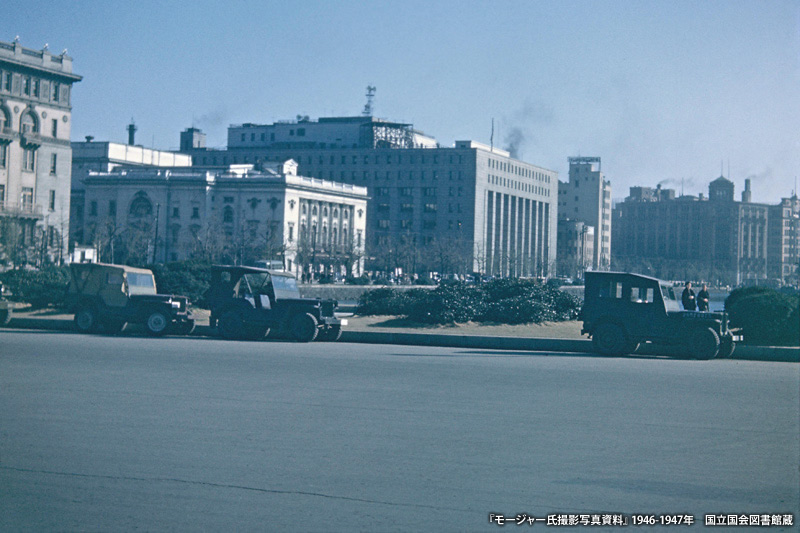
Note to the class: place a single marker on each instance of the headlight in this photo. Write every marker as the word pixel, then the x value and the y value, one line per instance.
pixel 176 305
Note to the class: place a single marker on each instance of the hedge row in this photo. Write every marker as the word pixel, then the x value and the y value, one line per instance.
pixel 503 301
pixel 40 288
pixel 766 316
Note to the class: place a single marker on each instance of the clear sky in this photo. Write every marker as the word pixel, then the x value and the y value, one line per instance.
pixel 664 91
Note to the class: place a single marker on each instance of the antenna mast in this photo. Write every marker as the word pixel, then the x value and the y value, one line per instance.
pixel 370 97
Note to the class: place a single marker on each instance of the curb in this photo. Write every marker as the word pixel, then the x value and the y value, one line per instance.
pixel 780 354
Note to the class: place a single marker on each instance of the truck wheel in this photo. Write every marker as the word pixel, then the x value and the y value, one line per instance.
pixel 726 347
pixel 704 344
pixel 230 325
pixel 157 323
pixel 330 334
pixel 86 320
pixel 304 327
pixel 610 339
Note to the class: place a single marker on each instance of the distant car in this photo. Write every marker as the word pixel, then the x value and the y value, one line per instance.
pixel 622 310
pixel 248 303
pixel 105 297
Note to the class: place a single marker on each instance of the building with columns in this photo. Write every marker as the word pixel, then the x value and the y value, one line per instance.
pixel 237 215
pixel 466 208
pixel 35 154
pixel 783 241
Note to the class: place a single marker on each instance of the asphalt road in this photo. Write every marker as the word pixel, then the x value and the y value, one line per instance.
pixel 132 433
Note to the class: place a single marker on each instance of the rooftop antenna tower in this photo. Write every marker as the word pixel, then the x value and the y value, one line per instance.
pixel 370 97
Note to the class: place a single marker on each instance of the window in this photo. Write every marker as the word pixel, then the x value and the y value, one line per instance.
pixel 112 208
pixel 430 208
pixel 383 207
pixel 56 92
pixel 406 224
pixel 54 129
pixel 27 198
pixel 2 195
pixel 26 85
pixel 227 216
pixel 195 212
pixel 176 212
pixel 52 201
pixel 7 81
pixel 406 191
pixel 383 224
pixel 2 156
pixel 29 160
pixel 429 224
pixel 429 191
pixel 407 207
pixel 53 158
pixel 28 124
pixel 35 89
pixel 93 208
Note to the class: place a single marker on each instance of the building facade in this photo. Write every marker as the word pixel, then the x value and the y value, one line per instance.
pixel 575 248
pixel 468 208
pixel 783 241
pixel 716 239
pixel 35 154
pixel 586 198
pixel 103 157
pixel 239 215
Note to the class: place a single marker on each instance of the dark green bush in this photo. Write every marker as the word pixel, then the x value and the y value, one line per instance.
pixel 766 316
pixel 183 278
pixel 360 280
pixel 39 288
pixel 505 301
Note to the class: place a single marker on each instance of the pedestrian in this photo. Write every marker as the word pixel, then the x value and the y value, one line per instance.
pixel 688 299
pixel 702 299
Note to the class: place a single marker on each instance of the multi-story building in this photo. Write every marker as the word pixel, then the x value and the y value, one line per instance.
pixel 92 156
pixel 575 247
pixel 587 198
pixel 783 240
pixel 35 153
pixel 715 239
pixel 237 215
pixel 467 208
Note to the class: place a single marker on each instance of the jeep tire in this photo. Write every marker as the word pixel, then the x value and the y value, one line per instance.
pixel 704 344
pixel 610 339
pixel 185 327
pixel 304 327
pixel 86 320
pixel 726 347
pixel 157 323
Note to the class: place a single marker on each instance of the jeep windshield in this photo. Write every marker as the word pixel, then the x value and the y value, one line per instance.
pixel 140 283
pixel 285 287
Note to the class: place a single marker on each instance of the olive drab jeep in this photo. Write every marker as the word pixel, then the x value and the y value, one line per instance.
pixel 622 310
pixel 106 297
pixel 247 303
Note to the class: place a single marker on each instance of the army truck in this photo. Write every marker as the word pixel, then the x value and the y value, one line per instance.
pixel 622 310
pixel 105 297
pixel 247 303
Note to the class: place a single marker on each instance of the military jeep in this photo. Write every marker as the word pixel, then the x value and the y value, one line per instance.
pixel 622 310
pixel 247 303
pixel 106 297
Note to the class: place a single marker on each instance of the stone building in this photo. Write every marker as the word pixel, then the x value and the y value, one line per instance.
pixel 470 207
pixel 586 198
pixel 93 156
pixel 35 154
pixel 237 215
pixel 575 248
pixel 783 241
pixel 716 239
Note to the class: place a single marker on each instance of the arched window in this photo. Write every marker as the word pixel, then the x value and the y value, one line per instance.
pixel 325 212
pixel 227 216
pixel 29 124
pixel 335 212
pixel 141 206
pixel 314 211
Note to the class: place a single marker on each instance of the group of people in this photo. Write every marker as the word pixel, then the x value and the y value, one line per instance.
pixel 692 302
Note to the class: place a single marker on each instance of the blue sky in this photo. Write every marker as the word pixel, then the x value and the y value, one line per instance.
pixel 665 92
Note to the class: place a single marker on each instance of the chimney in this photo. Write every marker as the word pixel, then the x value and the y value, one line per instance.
pixel 89 138
pixel 746 193
pixel 131 133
